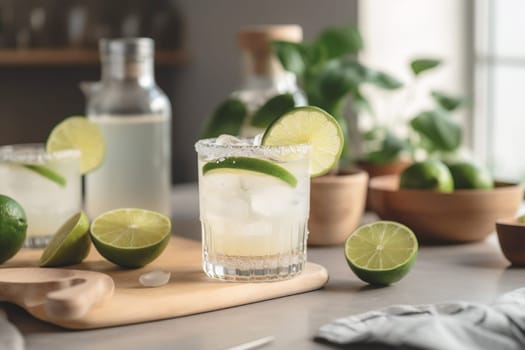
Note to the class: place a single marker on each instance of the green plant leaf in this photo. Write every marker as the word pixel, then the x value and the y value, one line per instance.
pixel 339 77
pixel 421 65
pixel 438 130
pixel 339 41
pixel 391 148
pixel 291 55
pixel 374 134
pixel 272 109
pixel 448 102
pixel 385 81
pixel 226 119
pixel 360 102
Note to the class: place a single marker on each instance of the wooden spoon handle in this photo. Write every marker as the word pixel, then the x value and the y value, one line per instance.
pixel 61 293
pixel 84 292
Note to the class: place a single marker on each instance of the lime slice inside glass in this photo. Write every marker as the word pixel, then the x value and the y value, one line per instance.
pixel 131 237
pixel 69 245
pixel 79 133
pixel 382 252
pixel 310 125
pixel 248 164
pixel 48 173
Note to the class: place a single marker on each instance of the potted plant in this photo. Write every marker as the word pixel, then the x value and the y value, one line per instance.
pixel 429 133
pixel 331 77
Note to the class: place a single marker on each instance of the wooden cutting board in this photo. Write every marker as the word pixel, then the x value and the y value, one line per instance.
pixel 189 290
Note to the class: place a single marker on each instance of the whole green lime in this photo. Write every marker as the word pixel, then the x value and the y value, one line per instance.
pixel 13 227
pixel 467 175
pixel 427 175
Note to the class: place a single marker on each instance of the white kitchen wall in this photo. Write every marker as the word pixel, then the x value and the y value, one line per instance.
pixel 395 32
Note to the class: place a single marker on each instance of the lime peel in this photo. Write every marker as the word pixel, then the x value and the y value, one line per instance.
pixel 47 173
pixel 70 244
pixel 253 165
pixel 13 227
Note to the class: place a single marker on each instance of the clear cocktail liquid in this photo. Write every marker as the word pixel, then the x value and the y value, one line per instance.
pixel 254 226
pixel 135 172
pixel 46 203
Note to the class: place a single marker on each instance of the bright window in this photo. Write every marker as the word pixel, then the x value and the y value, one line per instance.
pixel 500 76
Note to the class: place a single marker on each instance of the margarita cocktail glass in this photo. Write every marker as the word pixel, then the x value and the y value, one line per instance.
pixel 254 205
pixel 46 184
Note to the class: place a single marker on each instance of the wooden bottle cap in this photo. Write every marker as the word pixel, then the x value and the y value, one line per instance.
pixel 259 37
pixel 255 40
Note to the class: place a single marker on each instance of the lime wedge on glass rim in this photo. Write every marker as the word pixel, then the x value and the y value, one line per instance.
pixel 79 133
pixel 70 244
pixel 309 125
pixel 131 237
pixel 382 252
pixel 250 165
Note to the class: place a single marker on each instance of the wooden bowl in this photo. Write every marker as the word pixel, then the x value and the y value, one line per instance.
pixel 458 217
pixel 511 237
pixel 337 203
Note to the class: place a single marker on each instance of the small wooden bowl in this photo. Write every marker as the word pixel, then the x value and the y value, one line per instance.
pixel 458 217
pixel 511 237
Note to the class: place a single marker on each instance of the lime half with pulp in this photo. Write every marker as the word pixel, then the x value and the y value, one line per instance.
pixel 248 164
pixel 309 125
pixel 69 245
pixel 79 133
pixel 382 252
pixel 131 237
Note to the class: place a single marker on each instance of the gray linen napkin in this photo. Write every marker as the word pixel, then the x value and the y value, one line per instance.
pixel 454 325
pixel 10 337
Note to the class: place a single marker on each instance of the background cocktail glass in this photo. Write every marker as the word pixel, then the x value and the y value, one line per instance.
pixel 47 203
pixel 254 226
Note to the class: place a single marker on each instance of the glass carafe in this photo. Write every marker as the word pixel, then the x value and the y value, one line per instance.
pixel 134 116
pixel 264 77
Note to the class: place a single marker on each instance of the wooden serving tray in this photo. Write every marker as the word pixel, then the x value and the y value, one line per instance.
pixel 188 292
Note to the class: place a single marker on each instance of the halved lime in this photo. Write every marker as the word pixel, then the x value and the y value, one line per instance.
pixel 131 237
pixel 382 252
pixel 254 165
pixel 313 126
pixel 69 245
pixel 79 133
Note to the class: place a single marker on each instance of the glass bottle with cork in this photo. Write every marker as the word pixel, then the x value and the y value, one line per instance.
pixel 264 76
pixel 134 116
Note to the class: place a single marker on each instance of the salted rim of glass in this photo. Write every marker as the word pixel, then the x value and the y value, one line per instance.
pixel 34 153
pixel 210 149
